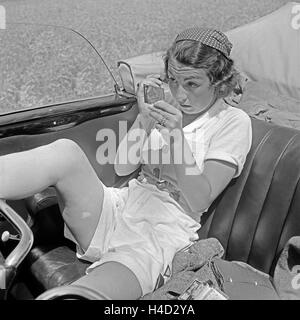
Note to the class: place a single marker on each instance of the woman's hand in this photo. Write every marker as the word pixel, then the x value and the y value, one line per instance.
pixel 164 114
pixel 167 116
pixel 151 80
pixel 168 120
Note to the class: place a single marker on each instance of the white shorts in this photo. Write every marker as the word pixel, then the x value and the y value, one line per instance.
pixel 142 228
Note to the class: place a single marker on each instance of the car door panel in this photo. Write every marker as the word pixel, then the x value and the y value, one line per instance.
pixel 80 124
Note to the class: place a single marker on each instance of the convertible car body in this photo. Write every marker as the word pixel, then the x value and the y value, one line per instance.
pixel 253 218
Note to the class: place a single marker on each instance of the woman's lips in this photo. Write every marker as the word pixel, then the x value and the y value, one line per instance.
pixel 186 106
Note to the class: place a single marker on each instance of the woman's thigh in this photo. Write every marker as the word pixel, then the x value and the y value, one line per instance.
pixel 80 191
pixel 64 165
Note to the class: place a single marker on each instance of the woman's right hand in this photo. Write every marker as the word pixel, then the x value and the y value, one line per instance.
pixel 151 80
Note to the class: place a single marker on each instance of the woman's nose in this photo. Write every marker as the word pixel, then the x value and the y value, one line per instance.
pixel 181 95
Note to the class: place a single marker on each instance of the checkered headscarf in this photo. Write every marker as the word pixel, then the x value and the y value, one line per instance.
pixel 211 37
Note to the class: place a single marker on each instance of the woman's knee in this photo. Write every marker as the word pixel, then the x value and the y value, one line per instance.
pixel 67 146
pixel 114 280
pixel 68 155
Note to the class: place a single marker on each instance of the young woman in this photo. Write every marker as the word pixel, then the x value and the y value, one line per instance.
pixel 192 144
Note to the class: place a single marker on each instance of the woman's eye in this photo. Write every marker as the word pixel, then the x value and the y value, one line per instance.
pixel 193 85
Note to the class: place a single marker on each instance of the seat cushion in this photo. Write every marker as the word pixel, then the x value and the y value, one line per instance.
pixel 53 267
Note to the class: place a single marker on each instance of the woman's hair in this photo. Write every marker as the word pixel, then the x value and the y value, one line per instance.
pixel 219 69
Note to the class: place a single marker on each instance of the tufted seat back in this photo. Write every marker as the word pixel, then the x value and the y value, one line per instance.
pixel 260 210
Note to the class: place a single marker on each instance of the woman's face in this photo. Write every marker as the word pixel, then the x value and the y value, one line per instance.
pixel 190 87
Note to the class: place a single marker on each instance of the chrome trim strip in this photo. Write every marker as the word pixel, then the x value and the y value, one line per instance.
pixel 25 244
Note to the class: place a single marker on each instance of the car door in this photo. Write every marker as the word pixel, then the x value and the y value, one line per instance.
pixel 55 84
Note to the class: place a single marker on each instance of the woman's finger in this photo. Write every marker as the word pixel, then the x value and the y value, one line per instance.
pixel 156 81
pixel 160 112
pixel 152 79
pixel 156 116
pixel 156 75
pixel 164 106
pixel 159 127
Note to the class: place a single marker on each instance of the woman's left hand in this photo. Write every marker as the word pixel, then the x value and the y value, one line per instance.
pixel 167 116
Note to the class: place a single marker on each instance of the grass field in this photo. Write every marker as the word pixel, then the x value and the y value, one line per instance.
pixel 45 66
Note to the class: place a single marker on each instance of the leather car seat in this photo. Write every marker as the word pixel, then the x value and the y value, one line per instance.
pixel 253 218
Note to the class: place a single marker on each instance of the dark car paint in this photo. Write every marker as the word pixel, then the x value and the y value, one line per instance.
pixel 79 121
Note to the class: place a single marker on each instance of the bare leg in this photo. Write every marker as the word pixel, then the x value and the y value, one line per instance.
pixel 64 165
pixel 114 280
